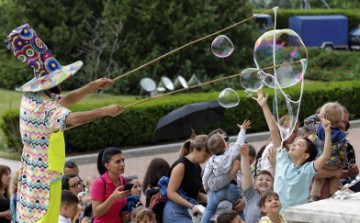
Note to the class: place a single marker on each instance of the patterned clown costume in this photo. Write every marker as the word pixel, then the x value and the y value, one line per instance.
pixel 40 115
pixel 41 120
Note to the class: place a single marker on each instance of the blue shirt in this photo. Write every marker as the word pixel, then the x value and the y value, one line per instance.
pixel 292 183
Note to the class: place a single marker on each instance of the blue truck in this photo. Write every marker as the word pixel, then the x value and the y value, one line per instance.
pixel 325 31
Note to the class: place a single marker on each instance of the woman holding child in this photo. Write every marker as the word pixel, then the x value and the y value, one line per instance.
pixel 185 174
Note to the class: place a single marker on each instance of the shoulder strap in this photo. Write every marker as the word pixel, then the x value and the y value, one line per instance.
pixel 104 185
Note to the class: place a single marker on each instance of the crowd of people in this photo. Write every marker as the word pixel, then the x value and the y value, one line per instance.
pixel 211 181
pixel 236 184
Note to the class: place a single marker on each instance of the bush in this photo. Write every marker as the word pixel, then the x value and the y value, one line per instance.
pixel 136 125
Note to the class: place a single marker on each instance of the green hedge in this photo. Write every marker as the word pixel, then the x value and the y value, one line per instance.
pixel 137 125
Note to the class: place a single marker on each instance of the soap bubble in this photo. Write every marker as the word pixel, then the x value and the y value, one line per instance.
pixel 286 113
pixel 228 98
pixel 288 49
pixel 250 79
pixel 222 46
pixel 248 93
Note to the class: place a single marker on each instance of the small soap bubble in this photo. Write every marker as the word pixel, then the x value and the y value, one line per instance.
pixel 222 46
pixel 228 98
pixel 249 79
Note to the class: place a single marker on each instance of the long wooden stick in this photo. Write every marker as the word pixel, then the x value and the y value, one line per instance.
pixel 186 45
pixel 190 87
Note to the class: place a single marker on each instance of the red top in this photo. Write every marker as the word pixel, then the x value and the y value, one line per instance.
pixel 98 194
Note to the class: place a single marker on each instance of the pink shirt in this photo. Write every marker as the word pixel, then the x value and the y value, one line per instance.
pixel 98 194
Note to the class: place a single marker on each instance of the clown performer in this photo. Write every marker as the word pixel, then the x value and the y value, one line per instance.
pixel 44 114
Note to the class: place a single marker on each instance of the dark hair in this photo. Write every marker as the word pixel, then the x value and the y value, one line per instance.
pixel 157 168
pixel 4 170
pixel 65 181
pixel 68 198
pixel 311 150
pixel 226 216
pixel 265 195
pixel 55 90
pixel 198 143
pixel 252 150
pixel 105 156
pixel 71 164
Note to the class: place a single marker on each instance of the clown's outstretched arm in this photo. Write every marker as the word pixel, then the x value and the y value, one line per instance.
pixel 75 118
pixel 75 96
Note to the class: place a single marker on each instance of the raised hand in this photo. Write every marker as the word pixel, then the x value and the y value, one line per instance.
pixel 261 99
pixel 244 150
pixel 245 125
pixel 326 124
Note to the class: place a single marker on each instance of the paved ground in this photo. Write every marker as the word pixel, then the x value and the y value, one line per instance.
pixel 137 159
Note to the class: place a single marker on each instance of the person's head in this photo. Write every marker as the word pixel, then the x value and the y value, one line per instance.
pixel 69 204
pixel 15 183
pixel 136 188
pixel 89 182
pixel 73 183
pixel 230 216
pixel 111 160
pixel 303 150
pixel 157 168
pixel 132 202
pixel 196 147
pixel 216 144
pixel 264 181
pixel 5 177
pixel 269 202
pixel 142 215
pixel 71 168
pixel 333 112
pixel 252 153
pixel 285 125
pixel 221 132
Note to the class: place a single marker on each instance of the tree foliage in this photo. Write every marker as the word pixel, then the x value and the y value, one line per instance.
pixel 113 37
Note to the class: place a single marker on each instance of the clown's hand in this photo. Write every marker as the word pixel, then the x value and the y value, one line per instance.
pixel 102 83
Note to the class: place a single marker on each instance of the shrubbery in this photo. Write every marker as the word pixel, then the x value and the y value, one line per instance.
pixel 136 125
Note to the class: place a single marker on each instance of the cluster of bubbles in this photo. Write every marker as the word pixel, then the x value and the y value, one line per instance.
pixel 280 57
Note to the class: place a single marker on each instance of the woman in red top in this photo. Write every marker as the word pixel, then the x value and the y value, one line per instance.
pixel 107 194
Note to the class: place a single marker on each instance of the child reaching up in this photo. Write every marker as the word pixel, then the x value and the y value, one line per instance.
pixel 333 111
pixel 217 179
pixel 270 206
pixel 295 168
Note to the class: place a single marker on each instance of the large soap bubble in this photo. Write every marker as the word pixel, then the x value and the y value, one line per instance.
pixel 228 98
pixel 283 49
pixel 222 46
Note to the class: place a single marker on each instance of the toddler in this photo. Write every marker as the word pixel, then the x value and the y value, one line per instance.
pixel 270 206
pixel 217 180
pixel 333 111
pixel 69 208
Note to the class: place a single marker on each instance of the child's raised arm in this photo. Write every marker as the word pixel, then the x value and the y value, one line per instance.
pixel 246 179
pixel 273 128
pixel 321 161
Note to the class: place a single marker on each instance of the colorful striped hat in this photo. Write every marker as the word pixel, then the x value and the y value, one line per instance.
pixel 25 45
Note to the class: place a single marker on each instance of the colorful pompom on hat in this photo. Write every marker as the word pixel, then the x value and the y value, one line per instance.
pixel 25 45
